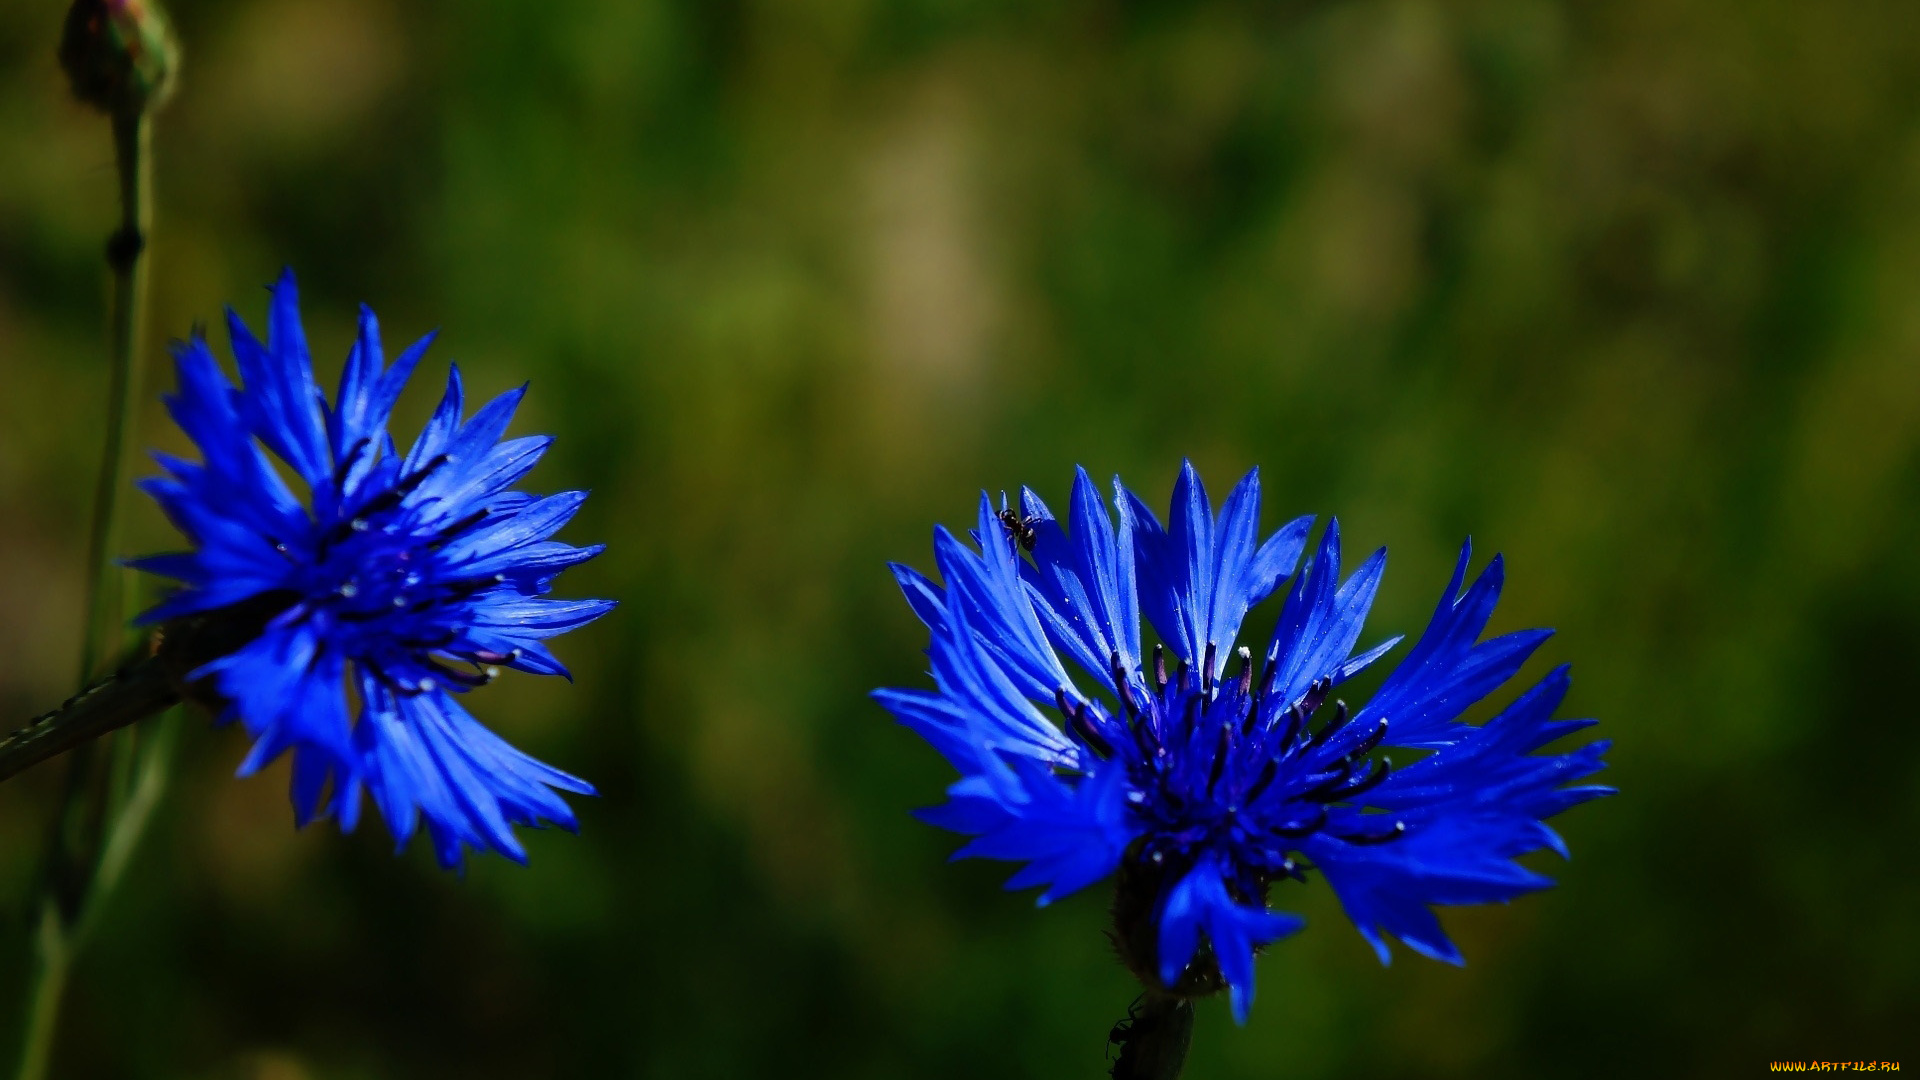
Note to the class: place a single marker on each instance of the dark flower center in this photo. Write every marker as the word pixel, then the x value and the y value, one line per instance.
pixel 1227 768
pixel 1230 765
pixel 381 592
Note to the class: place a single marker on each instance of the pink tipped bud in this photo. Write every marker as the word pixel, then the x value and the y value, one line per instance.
pixel 120 55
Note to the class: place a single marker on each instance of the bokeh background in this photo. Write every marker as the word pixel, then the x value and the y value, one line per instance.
pixel 1628 291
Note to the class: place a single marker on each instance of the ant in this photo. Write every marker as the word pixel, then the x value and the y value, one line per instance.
pixel 1019 526
pixel 1122 1032
pixel 1153 1038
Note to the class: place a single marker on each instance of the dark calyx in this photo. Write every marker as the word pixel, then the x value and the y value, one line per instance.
pixel 1135 934
pixel 148 682
pixel 1270 781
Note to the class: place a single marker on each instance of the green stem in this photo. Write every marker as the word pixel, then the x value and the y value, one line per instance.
pixel 87 849
pixel 51 957
pixel 148 782
pixel 106 616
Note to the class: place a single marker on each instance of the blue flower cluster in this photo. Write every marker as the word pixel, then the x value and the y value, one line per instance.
pixel 396 583
pixel 1204 781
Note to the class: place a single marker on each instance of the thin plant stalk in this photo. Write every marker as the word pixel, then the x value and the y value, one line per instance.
pixel 106 616
pixel 50 958
pixel 109 800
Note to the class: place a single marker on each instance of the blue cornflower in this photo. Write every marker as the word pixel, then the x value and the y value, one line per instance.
pixel 392 574
pixel 1203 784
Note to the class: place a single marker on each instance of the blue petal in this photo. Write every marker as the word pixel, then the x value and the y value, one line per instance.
pixel 441 426
pixel 1446 672
pixel 279 398
pixel 537 521
pixel 991 589
pixel 533 618
pixel 1069 835
pixel 463 561
pixel 1319 624
pixel 1200 901
pixel 1471 808
pixel 1003 719
pixel 1084 586
pixel 287 689
pixel 1198 581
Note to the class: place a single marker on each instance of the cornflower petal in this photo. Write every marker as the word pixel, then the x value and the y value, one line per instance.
pixel 392 575
pixel 1207 781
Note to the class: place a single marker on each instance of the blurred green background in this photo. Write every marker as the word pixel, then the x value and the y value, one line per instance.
pixel 1630 292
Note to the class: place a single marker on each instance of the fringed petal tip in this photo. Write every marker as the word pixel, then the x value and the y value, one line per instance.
pixel 396 567
pixel 1178 757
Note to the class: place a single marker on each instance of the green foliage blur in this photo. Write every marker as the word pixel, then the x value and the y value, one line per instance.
pixel 1629 291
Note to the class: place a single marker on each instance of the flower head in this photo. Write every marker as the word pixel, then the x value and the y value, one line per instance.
pixel 397 582
pixel 1205 777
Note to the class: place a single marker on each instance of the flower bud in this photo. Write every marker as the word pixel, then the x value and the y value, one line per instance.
pixel 120 55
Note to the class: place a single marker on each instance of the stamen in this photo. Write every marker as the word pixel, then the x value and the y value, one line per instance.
pixel 346 464
pixel 1120 684
pixel 1219 758
pixel 1307 828
pixel 1206 671
pixel 1363 785
pixel 1266 777
pixel 1145 740
pixel 1339 721
pixel 392 497
pixel 461 590
pixel 446 535
pixel 1160 667
pixel 1363 839
pixel 419 476
pixel 1365 746
pixel 1315 696
pixel 380 674
pixel 1266 688
pixel 459 677
pixel 1321 789
pixel 339 532
pixel 1294 720
pixel 1246 670
pixel 1081 724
